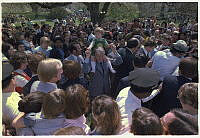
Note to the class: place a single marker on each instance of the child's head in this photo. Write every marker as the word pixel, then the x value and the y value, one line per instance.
pixel 73 130
pixel 98 32
pixel 34 60
pixel 71 69
pixel 77 101
pixel 31 103
pixel 145 122
pixel 19 60
pixel 50 70
pixel 44 42
pixel 106 114
pixel 53 104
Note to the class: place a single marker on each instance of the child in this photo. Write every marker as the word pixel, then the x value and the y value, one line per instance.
pixel 106 113
pixel 77 104
pixel 49 119
pixel 99 42
pixel 19 62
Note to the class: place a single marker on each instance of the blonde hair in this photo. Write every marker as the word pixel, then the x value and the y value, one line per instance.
pixel 99 29
pixel 48 69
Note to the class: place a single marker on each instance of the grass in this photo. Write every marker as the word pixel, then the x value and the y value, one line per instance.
pixel 51 23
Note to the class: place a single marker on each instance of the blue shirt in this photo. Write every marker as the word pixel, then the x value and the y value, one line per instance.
pixel 45 51
pixel 43 87
pixel 42 126
pixel 165 63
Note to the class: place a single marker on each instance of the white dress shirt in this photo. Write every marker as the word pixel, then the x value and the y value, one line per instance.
pixel 128 103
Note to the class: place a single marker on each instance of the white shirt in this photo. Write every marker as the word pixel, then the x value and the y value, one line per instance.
pixel 128 103
pixel 10 106
pixel 165 63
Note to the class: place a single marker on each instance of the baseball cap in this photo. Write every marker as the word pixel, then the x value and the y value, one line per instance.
pixel 180 46
pixel 144 77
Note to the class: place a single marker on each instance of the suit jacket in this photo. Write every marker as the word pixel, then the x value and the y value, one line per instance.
pixel 57 54
pixel 167 98
pixel 68 83
pixel 127 65
pixel 141 51
pixel 27 88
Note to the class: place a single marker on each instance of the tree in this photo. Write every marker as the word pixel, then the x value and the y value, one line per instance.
pixel 96 13
pixel 52 5
pixel 34 8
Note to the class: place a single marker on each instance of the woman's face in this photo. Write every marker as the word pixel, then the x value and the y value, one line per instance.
pixel 99 55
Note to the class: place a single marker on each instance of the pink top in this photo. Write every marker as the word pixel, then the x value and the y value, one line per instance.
pixel 79 122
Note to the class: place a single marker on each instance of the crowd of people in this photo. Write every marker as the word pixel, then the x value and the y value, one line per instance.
pixel 113 78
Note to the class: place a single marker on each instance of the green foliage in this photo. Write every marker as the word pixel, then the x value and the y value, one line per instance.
pixel 58 12
pixel 122 12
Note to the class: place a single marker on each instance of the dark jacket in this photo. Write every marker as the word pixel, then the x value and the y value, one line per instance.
pixel 27 88
pixel 167 98
pixel 68 83
pixel 57 54
pixel 127 65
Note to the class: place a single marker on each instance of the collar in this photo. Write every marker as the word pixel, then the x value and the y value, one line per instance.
pixel 81 119
pixel 8 94
pixel 19 71
pixel 74 56
pixel 129 50
pixel 50 83
pixel 144 49
pixel 133 97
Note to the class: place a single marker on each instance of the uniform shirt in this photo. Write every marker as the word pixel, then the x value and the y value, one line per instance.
pixel 165 63
pixel 43 87
pixel 128 103
pixel 44 51
pixel 10 106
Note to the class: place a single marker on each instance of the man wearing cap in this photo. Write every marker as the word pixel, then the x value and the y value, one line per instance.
pixel 143 81
pixel 10 98
pixel 127 55
pixel 166 61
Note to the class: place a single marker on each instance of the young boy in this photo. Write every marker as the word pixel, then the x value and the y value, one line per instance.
pixel 99 42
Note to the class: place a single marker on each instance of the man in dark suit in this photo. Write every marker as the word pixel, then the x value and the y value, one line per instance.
pixel 127 55
pixel 167 98
pixel 57 52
